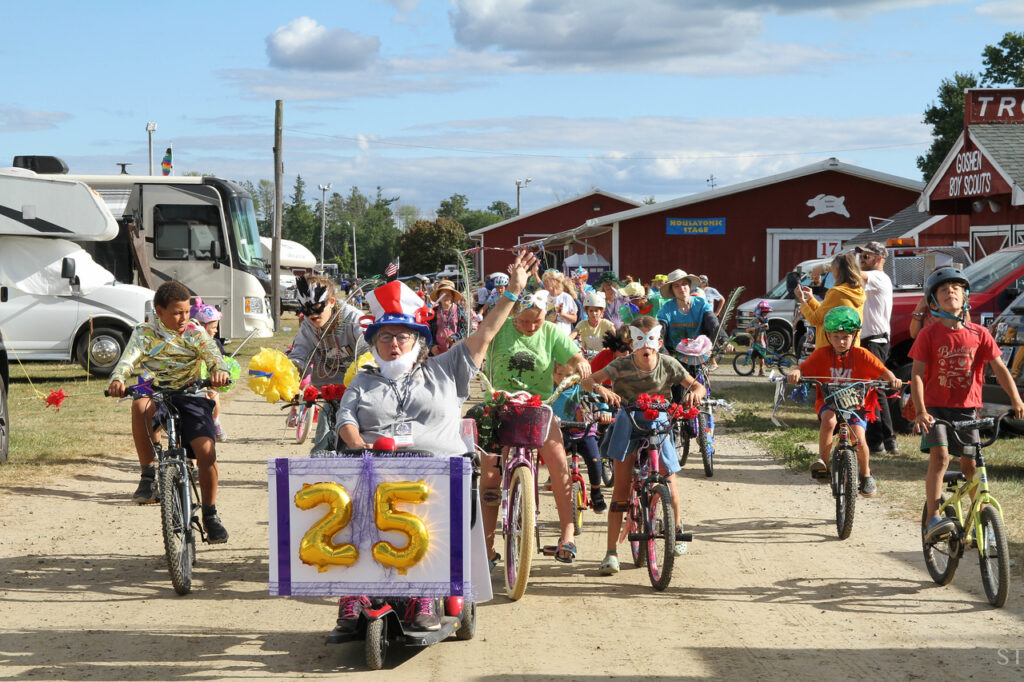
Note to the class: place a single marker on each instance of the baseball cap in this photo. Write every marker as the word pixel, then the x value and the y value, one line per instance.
pixel 875 248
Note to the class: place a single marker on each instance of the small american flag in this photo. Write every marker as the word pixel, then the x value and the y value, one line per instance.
pixel 392 269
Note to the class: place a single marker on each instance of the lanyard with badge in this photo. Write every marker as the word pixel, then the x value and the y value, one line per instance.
pixel 401 429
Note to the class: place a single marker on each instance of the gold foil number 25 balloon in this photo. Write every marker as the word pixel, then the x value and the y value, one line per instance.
pixel 409 525
pixel 317 548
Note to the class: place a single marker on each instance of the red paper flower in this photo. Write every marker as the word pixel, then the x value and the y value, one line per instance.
pixel 643 401
pixel 650 414
pixel 310 394
pixel 690 413
pixel 534 401
pixel 55 398
pixel 333 392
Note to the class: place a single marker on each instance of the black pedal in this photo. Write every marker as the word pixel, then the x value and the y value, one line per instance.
pixel 684 537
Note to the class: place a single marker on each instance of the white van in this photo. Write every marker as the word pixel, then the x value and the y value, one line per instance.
pixel 56 302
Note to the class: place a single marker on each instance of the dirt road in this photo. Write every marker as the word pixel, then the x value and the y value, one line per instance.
pixel 765 592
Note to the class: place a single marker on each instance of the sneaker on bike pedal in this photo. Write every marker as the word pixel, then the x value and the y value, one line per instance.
pixel 146 493
pixel 937 527
pixel 680 547
pixel 868 487
pixel 219 431
pixel 597 499
pixel 216 533
pixel 421 614
pixel 819 469
pixel 610 565
pixel 349 610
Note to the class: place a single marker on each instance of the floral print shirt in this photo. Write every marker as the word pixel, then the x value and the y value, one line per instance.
pixel 172 359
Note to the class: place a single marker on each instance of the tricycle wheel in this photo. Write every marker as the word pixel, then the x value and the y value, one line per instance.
pixel 376 643
pixel 467 621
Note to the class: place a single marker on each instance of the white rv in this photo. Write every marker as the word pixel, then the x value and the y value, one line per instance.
pixel 200 231
pixel 294 256
pixel 56 302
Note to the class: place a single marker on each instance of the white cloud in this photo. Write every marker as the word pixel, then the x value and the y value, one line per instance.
pixel 14 120
pixel 304 44
pixel 1007 11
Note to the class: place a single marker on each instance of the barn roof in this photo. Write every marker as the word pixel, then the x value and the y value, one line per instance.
pixel 544 209
pixel 906 223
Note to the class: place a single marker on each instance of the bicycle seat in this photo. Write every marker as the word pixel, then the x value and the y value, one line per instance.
pixel 953 477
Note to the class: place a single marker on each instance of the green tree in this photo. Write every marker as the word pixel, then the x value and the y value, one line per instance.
pixel 1004 62
pixel 474 220
pixel 453 207
pixel 502 209
pixel 946 117
pixel 428 245
pixel 298 222
pixel 407 215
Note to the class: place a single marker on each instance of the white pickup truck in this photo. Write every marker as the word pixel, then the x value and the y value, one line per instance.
pixel 56 302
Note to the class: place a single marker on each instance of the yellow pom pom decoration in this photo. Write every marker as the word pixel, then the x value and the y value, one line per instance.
pixel 273 376
pixel 364 359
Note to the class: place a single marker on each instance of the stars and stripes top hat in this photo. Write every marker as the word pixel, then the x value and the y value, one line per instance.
pixel 395 303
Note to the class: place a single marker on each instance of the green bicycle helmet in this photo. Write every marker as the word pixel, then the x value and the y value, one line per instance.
pixel 842 318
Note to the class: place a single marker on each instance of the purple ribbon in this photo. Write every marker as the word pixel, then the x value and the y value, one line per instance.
pixel 456 521
pixel 284 567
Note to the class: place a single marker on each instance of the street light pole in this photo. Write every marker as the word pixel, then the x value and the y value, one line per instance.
pixel 151 128
pixel 355 263
pixel 519 186
pixel 323 220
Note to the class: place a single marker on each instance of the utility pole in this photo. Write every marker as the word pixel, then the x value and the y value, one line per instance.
pixel 275 251
pixel 151 128
pixel 323 220
pixel 711 181
pixel 355 264
pixel 519 186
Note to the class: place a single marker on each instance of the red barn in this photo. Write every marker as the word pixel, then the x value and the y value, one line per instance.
pixel 750 233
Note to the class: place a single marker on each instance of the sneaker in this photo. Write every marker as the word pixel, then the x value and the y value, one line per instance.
pixel 597 498
pixel 937 527
pixel 891 447
pixel 868 487
pixel 219 430
pixel 610 565
pixel 421 614
pixel 146 493
pixel 680 548
pixel 876 450
pixel 216 533
pixel 492 562
pixel 349 610
pixel 819 469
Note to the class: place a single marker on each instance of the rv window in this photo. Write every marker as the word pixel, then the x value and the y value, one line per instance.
pixel 184 232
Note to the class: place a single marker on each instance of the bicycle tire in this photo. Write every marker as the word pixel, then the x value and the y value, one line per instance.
pixel 608 471
pixel 304 423
pixel 519 538
pixel 786 361
pixel 376 643
pixel 743 363
pixel 660 525
pixel 844 472
pixel 179 541
pixel 682 441
pixel 707 455
pixel 941 557
pixel 634 522
pixel 995 565
pixel 579 501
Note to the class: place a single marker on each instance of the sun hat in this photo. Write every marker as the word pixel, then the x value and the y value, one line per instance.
pixel 445 285
pixel 675 276
pixel 594 299
pixel 633 290
pixel 395 303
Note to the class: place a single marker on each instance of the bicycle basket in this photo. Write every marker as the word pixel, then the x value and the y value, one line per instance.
pixel 523 426
pixel 846 396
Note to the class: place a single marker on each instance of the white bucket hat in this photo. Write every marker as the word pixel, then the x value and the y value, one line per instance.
pixel 675 276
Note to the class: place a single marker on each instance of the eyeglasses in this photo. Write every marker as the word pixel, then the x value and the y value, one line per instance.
pixel 403 338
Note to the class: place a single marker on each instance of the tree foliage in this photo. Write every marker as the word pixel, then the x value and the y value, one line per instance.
pixel 428 245
pixel 1004 62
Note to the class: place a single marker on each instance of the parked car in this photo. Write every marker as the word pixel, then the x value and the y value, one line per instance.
pixel 1008 330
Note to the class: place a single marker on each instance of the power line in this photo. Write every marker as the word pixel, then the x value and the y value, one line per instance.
pixel 674 157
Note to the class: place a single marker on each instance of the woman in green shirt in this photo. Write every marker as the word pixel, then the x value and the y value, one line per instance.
pixel 522 357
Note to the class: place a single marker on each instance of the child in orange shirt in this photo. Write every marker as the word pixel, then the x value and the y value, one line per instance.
pixel 839 361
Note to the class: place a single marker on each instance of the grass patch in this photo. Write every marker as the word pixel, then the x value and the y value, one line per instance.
pixel 47 443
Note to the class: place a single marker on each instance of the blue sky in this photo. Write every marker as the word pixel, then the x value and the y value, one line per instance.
pixel 427 98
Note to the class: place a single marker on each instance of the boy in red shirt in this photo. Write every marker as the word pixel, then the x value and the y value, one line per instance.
pixel 949 364
pixel 837 362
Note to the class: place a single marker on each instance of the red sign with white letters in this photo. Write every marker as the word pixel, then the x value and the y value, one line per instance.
pixel 970 175
pixel 994 106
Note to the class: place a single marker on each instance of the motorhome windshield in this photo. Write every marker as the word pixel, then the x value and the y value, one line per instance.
pixel 991 269
pixel 243 221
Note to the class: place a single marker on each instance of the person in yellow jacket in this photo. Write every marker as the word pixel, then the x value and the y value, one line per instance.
pixel 848 290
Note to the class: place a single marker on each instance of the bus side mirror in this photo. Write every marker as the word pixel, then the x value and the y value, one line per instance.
pixel 216 253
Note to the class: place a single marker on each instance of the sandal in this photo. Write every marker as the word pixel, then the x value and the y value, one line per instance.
pixel 566 553
pixel 492 562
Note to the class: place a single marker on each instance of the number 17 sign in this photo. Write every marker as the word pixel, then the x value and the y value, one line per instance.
pixel 382 526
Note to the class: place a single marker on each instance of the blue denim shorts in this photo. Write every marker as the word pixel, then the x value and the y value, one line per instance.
pixel 619 442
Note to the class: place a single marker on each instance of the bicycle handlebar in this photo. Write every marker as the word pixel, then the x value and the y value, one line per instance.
pixel 630 408
pixel 994 422
pixel 188 389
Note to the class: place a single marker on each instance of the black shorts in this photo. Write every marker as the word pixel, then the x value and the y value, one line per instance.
pixel 937 435
pixel 195 414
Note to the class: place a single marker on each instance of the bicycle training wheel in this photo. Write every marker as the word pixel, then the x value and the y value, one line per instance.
pixel 519 537
pixel 635 524
pixel 579 502
pixel 179 542
pixel 995 562
pixel 660 526
pixel 743 363
pixel 941 557
pixel 707 454
pixel 304 422
pixel 844 477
